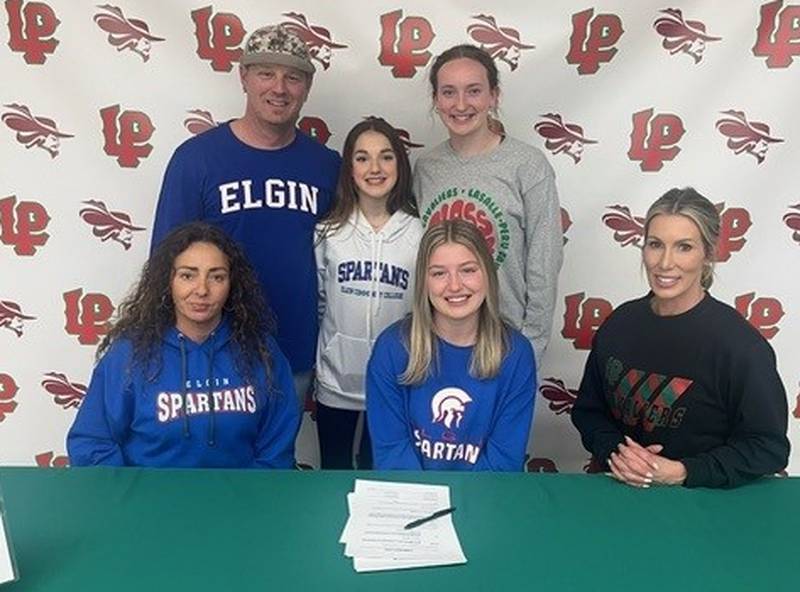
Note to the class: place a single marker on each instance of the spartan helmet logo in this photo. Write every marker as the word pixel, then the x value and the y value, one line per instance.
pixel 448 407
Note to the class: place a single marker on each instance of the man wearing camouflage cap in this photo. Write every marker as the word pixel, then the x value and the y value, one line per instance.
pixel 266 184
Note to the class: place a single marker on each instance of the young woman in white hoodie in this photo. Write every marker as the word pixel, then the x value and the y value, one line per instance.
pixel 366 249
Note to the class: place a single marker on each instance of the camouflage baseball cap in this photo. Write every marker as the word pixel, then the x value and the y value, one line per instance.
pixel 275 44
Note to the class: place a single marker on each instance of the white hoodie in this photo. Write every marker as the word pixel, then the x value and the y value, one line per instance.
pixel 356 304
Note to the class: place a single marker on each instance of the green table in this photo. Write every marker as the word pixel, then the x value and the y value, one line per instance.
pixel 159 530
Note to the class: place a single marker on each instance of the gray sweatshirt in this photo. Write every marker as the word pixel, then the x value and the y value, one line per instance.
pixel 509 193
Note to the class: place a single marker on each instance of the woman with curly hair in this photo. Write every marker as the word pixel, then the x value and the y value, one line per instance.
pixel 189 375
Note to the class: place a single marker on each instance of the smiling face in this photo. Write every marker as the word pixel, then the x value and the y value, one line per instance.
pixel 275 94
pixel 464 98
pixel 200 285
pixel 674 257
pixel 456 286
pixel 374 166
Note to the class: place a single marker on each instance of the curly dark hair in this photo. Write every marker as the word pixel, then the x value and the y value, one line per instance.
pixel 148 312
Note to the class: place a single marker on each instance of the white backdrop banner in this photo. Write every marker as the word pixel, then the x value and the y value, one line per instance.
pixel 626 99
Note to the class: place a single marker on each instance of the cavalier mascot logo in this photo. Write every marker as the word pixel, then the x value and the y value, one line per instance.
pixel 318 39
pixel 562 137
pixel 752 137
pixel 792 220
pixel 502 43
pixel 566 222
pixel 125 33
pixel 628 229
pixel 34 130
pixel 109 225
pixel 199 121
pixel 66 394
pixel 682 36
pixel 12 317
pixel 405 136
pixel 560 398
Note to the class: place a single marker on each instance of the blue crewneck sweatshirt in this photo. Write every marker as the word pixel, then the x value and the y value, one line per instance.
pixel 268 201
pixel 199 411
pixel 450 421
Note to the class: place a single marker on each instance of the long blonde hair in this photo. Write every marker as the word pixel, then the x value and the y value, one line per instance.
pixel 492 343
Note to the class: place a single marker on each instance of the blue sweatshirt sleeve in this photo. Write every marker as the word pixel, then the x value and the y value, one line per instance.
pixel 387 416
pixel 506 444
pixel 274 446
pixel 181 197
pixel 97 432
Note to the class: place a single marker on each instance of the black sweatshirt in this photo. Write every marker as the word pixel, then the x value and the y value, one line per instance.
pixel 703 384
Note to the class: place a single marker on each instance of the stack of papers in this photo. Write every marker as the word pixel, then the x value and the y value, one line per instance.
pixel 6 563
pixel 375 535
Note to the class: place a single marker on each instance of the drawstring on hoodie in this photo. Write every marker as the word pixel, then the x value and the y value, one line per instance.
pixel 184 396
pixel 376 257
pixel 183 386
pixel 212 416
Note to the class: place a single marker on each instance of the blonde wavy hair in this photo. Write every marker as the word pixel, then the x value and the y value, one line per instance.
pixel 493 334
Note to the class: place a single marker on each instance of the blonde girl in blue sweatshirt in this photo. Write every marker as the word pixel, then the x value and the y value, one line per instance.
pixel 365 252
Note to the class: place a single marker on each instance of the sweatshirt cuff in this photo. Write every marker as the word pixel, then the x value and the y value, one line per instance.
pixel 697 473
pixel 603 452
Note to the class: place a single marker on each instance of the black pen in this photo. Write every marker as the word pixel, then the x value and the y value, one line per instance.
pixel 434 516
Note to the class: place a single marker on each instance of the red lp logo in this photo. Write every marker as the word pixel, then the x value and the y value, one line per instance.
pixel 23 225
pixel 316 128
pixel 31 29
pixel 733 225
pixel 762 313
pixel 50 460
pixel 126 135
pixel 779 44
pixel 653 139
pixel 592 40
pixel 582 318
pixel 404 43
pixel 218 38
pixel 87 315
pixel 8 389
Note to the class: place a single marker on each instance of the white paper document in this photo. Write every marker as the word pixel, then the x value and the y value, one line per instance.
pixel 375 535
pixel 6 565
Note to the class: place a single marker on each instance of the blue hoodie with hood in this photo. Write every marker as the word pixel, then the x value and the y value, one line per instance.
pixel 198 411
